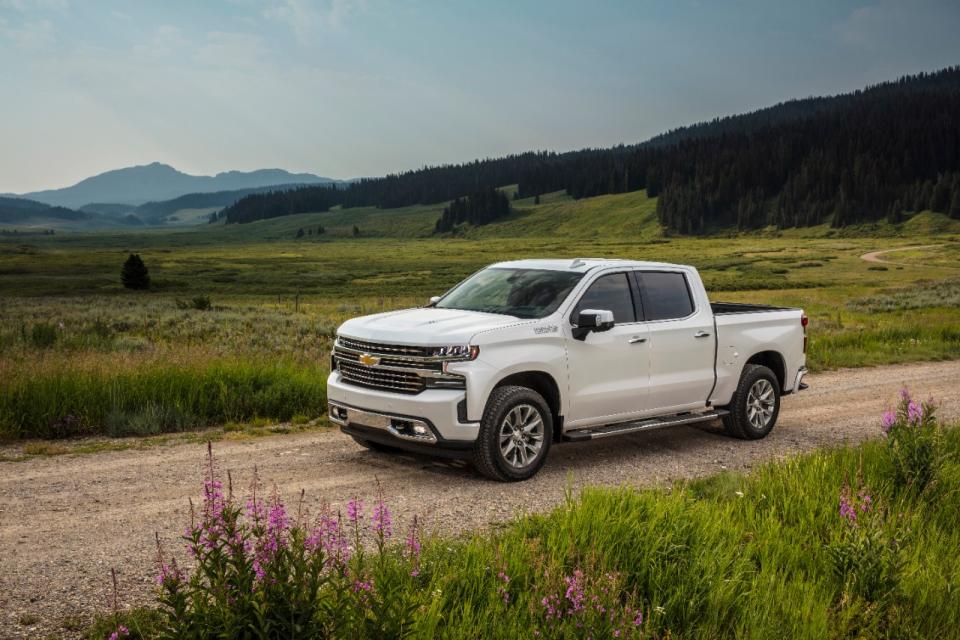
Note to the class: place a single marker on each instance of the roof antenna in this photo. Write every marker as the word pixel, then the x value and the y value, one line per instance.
pixel 579 262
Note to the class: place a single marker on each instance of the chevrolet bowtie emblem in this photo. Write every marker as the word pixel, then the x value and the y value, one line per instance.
pixel 368 360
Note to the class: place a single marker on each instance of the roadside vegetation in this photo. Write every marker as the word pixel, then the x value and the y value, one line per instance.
pixel 852 542
pixel 238 320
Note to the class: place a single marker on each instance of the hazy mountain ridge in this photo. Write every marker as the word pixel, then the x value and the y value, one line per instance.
pixel 157 182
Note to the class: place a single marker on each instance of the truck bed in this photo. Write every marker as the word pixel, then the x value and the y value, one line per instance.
pixel 727 308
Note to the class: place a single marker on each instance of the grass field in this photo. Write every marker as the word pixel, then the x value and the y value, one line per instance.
pixel 772 554
pixel 81 355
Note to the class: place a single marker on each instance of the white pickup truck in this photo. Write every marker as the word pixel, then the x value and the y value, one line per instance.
pixel 525 354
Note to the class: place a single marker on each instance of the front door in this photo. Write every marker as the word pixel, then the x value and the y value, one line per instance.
pixel 609 370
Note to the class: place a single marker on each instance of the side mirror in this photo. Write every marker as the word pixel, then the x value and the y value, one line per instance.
pixel 433 300
pixel 592 320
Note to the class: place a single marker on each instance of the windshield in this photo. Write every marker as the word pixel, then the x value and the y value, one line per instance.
pixel 525 293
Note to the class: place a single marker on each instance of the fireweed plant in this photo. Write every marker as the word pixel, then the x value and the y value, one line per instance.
pixel 262 571
pixel 914 440
pixel 821 545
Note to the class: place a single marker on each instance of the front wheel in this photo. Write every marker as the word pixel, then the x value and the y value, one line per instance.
pixel 755 404
pixel 515 434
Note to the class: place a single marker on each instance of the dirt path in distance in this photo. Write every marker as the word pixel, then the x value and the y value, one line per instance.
pixel 66 520
pixel 877 256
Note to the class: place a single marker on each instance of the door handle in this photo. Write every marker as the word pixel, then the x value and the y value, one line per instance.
pixel 701 334
pixel 637 340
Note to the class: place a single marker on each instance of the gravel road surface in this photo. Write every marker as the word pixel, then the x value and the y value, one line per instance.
pixel 66 520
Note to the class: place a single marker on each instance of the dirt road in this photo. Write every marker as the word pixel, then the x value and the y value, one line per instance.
pixel 878 256
pixel 66 520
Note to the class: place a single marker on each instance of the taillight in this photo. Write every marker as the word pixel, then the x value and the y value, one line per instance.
pixel 804 321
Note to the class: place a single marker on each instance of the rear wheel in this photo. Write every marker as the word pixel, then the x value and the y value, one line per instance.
pixel 755 404
pixel 515 434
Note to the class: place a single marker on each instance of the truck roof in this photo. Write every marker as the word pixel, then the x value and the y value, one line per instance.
pixel 581 265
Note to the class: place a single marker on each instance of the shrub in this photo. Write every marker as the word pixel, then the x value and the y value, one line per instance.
pixel 199 303
pixel 134 274
pixel 914 443
pixel 43 335
pixel 864 555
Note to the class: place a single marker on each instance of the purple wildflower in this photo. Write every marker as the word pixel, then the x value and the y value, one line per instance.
pixel 413 546
pixel 887 420
pixel 638 619
pixel 914 412
pixel 355 511
pixel 847 510
pixel 502 589
pixel 382 523
pixel 575 590
pixel 121 632
pixel 905 394
pixel 866 501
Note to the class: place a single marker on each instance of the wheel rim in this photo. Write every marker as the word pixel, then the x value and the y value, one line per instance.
pixel 521 435
pixel 761 401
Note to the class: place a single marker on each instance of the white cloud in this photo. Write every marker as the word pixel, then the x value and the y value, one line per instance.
pixel 33 35
pixel 26 5
pixel 307 18
pixel 167 40
pixel 231 50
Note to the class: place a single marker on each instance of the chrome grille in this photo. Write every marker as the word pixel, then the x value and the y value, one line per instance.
pixel 383 349
pixel 401 368
pixel 378 378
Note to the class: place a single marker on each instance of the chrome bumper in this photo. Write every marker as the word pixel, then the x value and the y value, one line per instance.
pixel 403 427
pixel 798 384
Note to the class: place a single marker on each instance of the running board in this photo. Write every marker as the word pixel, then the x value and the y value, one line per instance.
pixel 579 435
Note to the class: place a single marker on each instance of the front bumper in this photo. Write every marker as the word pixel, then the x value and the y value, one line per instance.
pixel 396 415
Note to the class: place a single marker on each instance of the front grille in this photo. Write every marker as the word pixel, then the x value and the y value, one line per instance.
pixel 384 349
pixel 377 378
pixel 353 356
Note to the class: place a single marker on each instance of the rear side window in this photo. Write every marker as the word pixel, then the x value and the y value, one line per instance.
pixel 610 292
pixel 665 295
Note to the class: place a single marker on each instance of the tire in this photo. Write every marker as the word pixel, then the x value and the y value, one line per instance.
pixel 755 404
pixel 373 446
pixel 510 418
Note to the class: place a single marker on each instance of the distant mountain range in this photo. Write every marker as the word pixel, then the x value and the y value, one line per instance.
pixel 157 182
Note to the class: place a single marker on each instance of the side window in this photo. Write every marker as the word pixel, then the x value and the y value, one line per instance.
pixel 665 295
pixel 609 292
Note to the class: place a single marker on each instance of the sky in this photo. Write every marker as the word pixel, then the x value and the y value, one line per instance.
pixel 349 88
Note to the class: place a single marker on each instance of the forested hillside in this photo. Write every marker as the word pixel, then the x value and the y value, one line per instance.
pixel 845 159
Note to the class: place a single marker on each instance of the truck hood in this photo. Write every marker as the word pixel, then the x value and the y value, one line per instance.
pixel 424 327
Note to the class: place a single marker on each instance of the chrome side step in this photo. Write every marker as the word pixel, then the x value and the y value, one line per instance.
pixel 621 428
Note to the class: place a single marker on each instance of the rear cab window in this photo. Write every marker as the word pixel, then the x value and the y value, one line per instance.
pixel 666 295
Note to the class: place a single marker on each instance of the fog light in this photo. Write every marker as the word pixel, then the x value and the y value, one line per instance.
pixel 419 430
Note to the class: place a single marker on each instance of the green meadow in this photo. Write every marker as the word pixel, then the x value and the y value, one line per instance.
pixel 81 355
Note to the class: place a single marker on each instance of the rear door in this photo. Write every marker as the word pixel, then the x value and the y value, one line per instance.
pixel 682 344
pixel 609 370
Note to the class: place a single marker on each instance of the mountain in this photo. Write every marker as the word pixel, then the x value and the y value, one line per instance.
pixel 155 182
pixel 855 157
pixel 19 211
pixel 157 212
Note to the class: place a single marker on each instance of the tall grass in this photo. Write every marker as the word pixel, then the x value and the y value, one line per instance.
pixel 772 554
pixel 161 397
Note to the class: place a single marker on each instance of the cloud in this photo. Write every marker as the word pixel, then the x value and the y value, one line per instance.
pixel 886 24
pixel 307 18
pixel 24 6
pixel 32 35
pixel 167 40
pixel 231 50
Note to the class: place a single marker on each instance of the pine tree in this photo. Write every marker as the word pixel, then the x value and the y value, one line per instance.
pixel 356 231
pixel 955 204
pixel 536 199
pixel 300 232
pixel 134 274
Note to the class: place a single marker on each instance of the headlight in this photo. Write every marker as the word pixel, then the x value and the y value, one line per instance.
pixel 455 352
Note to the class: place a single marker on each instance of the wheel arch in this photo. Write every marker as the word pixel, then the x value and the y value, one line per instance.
pixel 544 384
pixel 774 361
